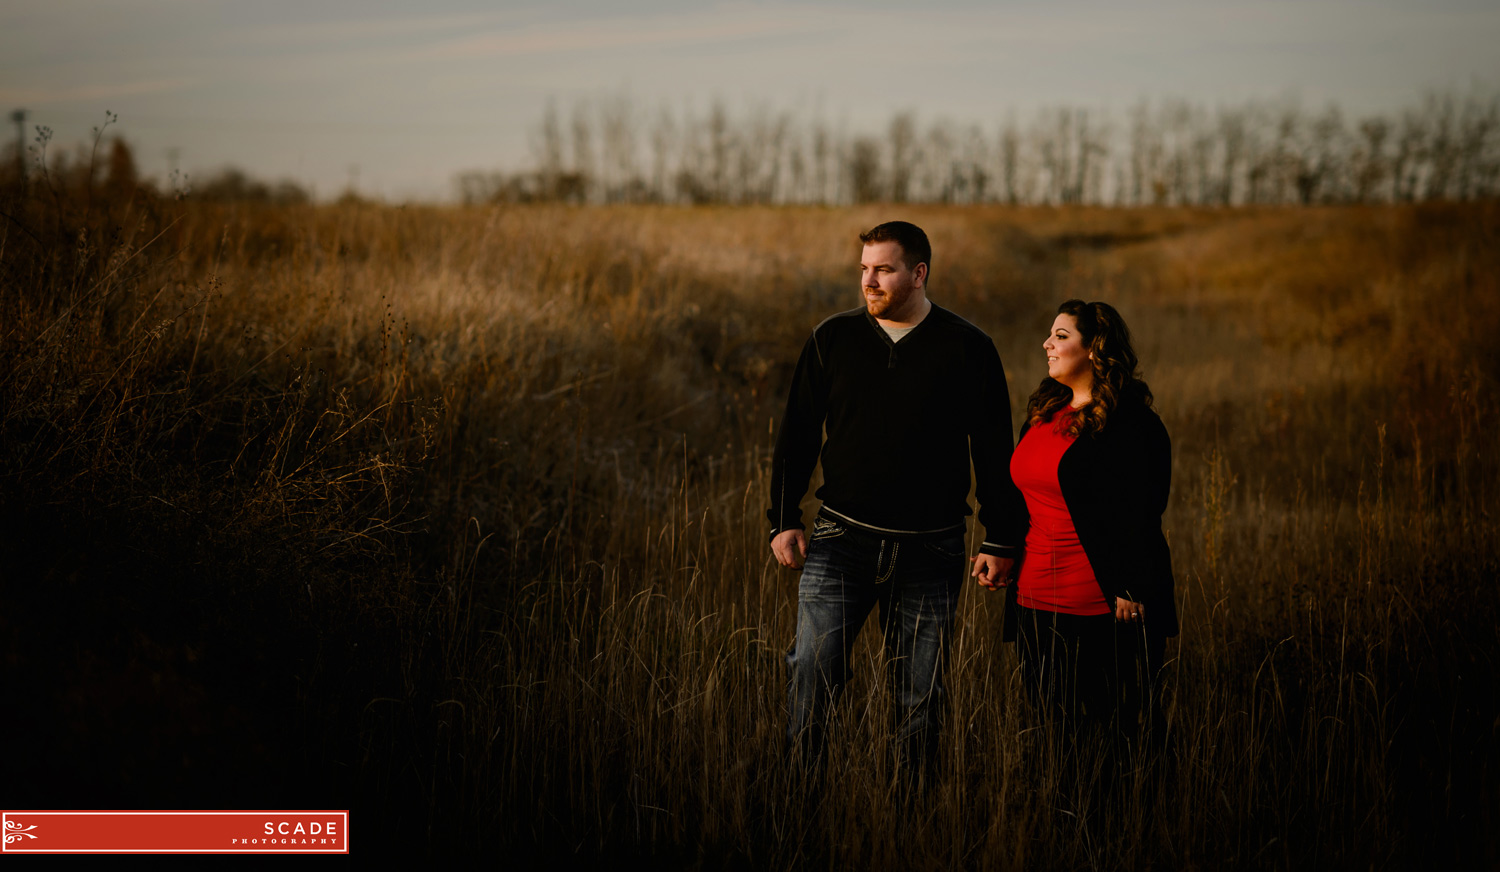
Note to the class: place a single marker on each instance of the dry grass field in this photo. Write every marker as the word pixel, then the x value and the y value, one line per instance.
pixel 454 518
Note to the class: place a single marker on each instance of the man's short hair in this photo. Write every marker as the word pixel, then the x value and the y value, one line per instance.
pixel 914 245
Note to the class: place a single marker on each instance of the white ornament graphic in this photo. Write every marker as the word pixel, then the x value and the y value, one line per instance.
pixel 14 832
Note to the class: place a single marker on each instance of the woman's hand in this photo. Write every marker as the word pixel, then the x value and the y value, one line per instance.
pixel 992 572
pixel 1125 610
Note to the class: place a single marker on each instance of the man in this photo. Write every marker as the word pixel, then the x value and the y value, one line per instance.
pixel 908 393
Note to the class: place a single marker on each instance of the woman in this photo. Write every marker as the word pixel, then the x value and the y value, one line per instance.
pixel 1092 605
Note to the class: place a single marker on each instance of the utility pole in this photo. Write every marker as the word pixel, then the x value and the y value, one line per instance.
pixel 19 116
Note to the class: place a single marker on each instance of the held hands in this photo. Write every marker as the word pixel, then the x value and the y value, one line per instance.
pixel 790 546
pixel 992 572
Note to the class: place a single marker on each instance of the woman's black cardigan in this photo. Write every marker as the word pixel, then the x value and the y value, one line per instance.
pixel 1115 483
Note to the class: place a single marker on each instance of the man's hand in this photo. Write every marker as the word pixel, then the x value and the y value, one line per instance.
pixel 992 572
pixel 790 546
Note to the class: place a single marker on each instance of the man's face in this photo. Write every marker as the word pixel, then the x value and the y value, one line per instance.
pixel 891 288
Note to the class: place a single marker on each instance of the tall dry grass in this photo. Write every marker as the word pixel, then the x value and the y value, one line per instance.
pixel 454 518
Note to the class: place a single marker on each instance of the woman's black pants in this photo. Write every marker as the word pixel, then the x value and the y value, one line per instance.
pixel 1091 673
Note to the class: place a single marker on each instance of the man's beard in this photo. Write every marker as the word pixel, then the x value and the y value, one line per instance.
pixel 887 304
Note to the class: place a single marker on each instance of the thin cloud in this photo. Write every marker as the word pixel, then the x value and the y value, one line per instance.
pixel 610 34
pixel 87 92
pixel 353 30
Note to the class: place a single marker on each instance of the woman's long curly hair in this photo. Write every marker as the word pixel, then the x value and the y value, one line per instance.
pixel 1107 339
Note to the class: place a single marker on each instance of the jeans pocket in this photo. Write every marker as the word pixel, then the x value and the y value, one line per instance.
pixel 949 547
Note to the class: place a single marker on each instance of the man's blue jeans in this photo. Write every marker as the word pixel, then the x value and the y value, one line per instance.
pixel 916 581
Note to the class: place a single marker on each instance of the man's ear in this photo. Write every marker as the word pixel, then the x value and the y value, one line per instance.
pixel 919 275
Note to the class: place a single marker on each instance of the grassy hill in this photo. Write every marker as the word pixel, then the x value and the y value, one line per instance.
pixel 454 517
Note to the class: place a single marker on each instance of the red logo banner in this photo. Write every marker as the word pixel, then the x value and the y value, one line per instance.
pixel 175 832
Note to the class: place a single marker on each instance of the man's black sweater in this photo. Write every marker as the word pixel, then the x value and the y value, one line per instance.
pixel 903 420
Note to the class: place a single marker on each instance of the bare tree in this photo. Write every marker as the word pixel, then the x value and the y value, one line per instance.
pixel 1477 126
pixel 583 155
pixel 976 161
pixel 1231 152
pixel 1010 154
pixel 547 147
pixel 1369 161
pixel 663 140
pixel 1145 151
pixel 902 138
pixel 941 178
pixel 1091 151
pixel 619 176
pixel 864 170
pixel 1442 145
pixel 719 146
pixel 1411 152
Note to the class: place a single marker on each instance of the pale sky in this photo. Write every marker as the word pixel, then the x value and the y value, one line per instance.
pixel 412 94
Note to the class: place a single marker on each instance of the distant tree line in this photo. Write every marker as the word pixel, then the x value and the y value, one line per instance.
pixel 610 150
pixel 106 167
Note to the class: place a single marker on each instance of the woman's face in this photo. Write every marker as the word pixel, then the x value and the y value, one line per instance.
pixel 1067 358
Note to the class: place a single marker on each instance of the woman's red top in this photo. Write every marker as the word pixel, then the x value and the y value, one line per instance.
pixel 1055 573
